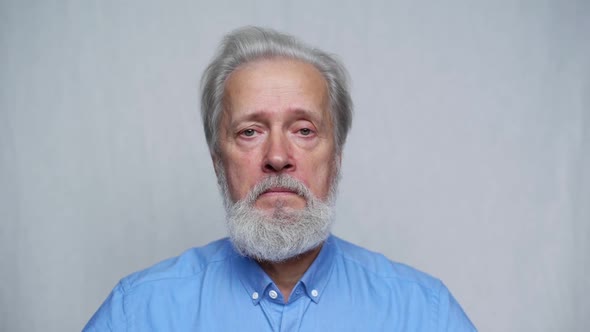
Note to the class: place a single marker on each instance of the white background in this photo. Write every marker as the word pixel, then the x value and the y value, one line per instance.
pixel 469 155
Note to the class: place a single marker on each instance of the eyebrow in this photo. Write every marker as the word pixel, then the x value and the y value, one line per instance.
pixel 259 115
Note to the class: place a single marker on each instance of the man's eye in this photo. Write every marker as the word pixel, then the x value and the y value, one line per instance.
pixel 249 132
pixel 305 131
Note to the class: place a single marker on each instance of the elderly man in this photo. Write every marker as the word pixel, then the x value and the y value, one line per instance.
pixel 276 114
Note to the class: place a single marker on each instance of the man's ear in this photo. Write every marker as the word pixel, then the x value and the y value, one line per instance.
pixel 216 161
pixel 338 159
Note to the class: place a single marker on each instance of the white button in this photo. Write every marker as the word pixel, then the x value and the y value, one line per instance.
pixel 314 293
pixel 254 296
pixel 273 295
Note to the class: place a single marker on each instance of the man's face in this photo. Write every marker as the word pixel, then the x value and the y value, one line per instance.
pixel 276 121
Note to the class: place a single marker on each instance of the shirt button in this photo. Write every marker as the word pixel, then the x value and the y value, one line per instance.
pixel 254 296
pixel 314 293
pixel 273 295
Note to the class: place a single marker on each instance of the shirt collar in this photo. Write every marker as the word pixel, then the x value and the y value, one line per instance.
pixel 253 278
pixel 314 280
pixel 317 275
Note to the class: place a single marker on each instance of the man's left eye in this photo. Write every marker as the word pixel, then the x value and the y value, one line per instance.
pixel 305 131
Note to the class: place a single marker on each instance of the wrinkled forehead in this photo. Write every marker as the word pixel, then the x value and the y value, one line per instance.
pixel 276 85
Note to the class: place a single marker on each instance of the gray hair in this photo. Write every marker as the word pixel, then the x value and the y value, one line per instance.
pixel 252 43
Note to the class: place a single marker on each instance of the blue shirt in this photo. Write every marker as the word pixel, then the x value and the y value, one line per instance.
pixel 212 288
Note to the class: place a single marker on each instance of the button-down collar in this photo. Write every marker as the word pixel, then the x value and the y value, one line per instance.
pixel 258 284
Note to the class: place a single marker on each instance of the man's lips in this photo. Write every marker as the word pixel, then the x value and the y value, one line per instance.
pixel 275 197
pixel 278 191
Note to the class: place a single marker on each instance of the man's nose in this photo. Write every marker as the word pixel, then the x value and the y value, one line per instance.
pixel 278 154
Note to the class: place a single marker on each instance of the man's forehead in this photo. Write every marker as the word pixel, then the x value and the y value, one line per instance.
pixel 278 85
pixel 265 114
pixel 275 73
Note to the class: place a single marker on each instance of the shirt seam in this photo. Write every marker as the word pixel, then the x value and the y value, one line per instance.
pixel 436 307
pixel 124 300
pixel 382 276
pixel 129 287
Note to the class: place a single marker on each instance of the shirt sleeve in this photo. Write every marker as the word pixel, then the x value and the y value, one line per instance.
pixel 111 314
pixel 451 316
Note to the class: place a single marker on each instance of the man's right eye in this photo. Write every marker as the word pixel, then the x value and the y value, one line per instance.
pixel 249 132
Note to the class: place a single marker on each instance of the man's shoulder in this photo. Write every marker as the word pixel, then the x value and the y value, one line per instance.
pixel 190 264
pixel 380 267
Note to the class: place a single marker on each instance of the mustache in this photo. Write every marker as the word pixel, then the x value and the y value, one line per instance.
pixel 284 181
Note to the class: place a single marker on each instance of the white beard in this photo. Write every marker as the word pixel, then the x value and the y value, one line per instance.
pixel 283 233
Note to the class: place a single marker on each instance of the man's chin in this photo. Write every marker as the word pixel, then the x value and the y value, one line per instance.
pixel 280 215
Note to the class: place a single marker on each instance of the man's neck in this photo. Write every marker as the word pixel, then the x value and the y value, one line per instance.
pixel 286 274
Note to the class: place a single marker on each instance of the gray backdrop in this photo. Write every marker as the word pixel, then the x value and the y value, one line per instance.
pixel 468 157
